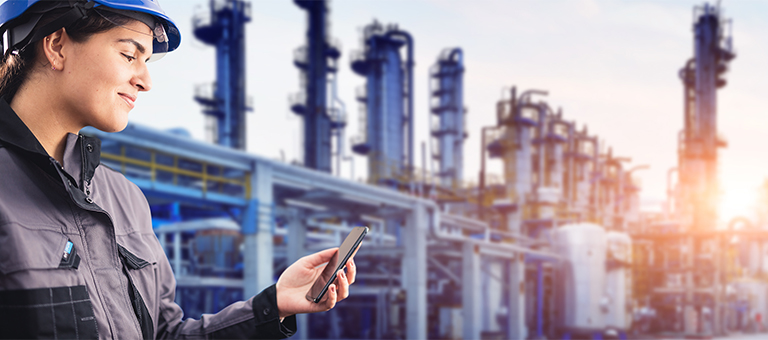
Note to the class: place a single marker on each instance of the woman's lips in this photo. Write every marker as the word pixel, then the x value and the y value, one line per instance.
pixel 129 99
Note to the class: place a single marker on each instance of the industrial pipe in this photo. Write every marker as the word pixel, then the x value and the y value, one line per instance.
pixel 525 96
pixel 497 248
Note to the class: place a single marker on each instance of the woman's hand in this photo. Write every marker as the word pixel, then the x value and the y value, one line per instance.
pixel 295 282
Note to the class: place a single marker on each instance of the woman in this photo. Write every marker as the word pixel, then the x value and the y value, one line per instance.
pixel 78 257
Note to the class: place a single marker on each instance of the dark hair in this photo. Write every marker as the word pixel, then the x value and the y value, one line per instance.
pixel 15 68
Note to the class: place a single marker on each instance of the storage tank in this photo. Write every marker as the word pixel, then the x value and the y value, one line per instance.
pixel 580 278
pixel 618 281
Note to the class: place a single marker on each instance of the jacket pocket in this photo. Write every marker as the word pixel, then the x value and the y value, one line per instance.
pixel 47 313
pixel 37 258
pixel 25 249
pixel 42 293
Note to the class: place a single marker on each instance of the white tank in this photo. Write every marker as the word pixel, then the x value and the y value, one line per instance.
pixel 618 281
pixel 580 276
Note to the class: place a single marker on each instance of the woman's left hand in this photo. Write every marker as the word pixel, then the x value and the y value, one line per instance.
pixel 296 280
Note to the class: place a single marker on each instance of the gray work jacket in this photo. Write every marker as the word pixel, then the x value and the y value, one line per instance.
pixel 79 259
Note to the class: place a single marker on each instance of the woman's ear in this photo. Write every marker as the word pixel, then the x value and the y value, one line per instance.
pixel 53 49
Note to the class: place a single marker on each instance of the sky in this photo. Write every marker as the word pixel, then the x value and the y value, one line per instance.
pixel 610 65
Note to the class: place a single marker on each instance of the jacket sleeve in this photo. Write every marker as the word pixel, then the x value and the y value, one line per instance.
pixel 255 318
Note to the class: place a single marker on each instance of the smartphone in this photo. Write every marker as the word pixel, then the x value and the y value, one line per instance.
pixel 337 262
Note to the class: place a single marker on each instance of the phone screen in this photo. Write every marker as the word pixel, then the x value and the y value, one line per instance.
pixel 338 261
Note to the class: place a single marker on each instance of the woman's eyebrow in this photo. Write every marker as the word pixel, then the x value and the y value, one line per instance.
pixel 138 45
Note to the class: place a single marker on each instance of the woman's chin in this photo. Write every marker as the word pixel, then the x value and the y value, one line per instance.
pixel 115 126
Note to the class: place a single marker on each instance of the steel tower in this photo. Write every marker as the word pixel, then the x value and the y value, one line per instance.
pixel 318 64
pixel 225 101
pixel 447 102
pixel 698 189
pixel 699 141
pixel 386 129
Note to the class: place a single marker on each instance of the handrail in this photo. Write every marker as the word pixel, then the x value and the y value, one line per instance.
pixel 176 171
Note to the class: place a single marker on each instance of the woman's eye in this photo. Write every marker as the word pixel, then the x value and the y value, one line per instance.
pixel 130 58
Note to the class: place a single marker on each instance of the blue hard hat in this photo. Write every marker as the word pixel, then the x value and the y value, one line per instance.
pixel 16 28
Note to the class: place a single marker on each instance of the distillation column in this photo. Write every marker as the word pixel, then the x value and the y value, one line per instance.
pixel 317 62
pixel 386 134
pixel 551 135
pixel 556 138
pixel 447 102
pixel 698 184
pixel 225 102
pixel 582 159
pixel 515 119
pixel 701 79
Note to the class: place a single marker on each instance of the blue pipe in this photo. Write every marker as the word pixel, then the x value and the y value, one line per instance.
pixel 539 300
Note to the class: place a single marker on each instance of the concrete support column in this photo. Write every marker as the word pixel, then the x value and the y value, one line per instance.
pixel 177 254
pixel 494 288
pixel 258 230
pixel 297 236
pixel 471 292
pixel 517 328
pixel 415 264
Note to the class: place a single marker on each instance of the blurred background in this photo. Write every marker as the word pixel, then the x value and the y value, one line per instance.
pixel 529 169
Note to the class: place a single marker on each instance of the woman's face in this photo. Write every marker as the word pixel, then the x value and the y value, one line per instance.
pixel 102 77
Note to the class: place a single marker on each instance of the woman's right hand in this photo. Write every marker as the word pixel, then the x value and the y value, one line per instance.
pixel 297 279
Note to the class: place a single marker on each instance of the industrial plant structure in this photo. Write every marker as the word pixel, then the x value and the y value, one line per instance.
pixel 556 248
pixel 698 279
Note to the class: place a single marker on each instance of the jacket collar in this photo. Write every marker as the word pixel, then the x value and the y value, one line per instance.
pixel 13 131
pixel 81 154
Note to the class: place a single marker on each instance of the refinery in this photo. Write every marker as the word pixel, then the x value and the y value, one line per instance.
pixel 548 240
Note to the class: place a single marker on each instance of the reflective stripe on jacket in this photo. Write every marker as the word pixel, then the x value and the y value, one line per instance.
pixel 79 259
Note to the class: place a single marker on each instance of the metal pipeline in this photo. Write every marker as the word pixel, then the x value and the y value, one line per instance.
pixel 498 249
pixel 525 96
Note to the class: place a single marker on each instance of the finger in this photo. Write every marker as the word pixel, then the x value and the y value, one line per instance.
pixel 320 257
pixel 351 271
pixel 330 302
pixel 343 286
